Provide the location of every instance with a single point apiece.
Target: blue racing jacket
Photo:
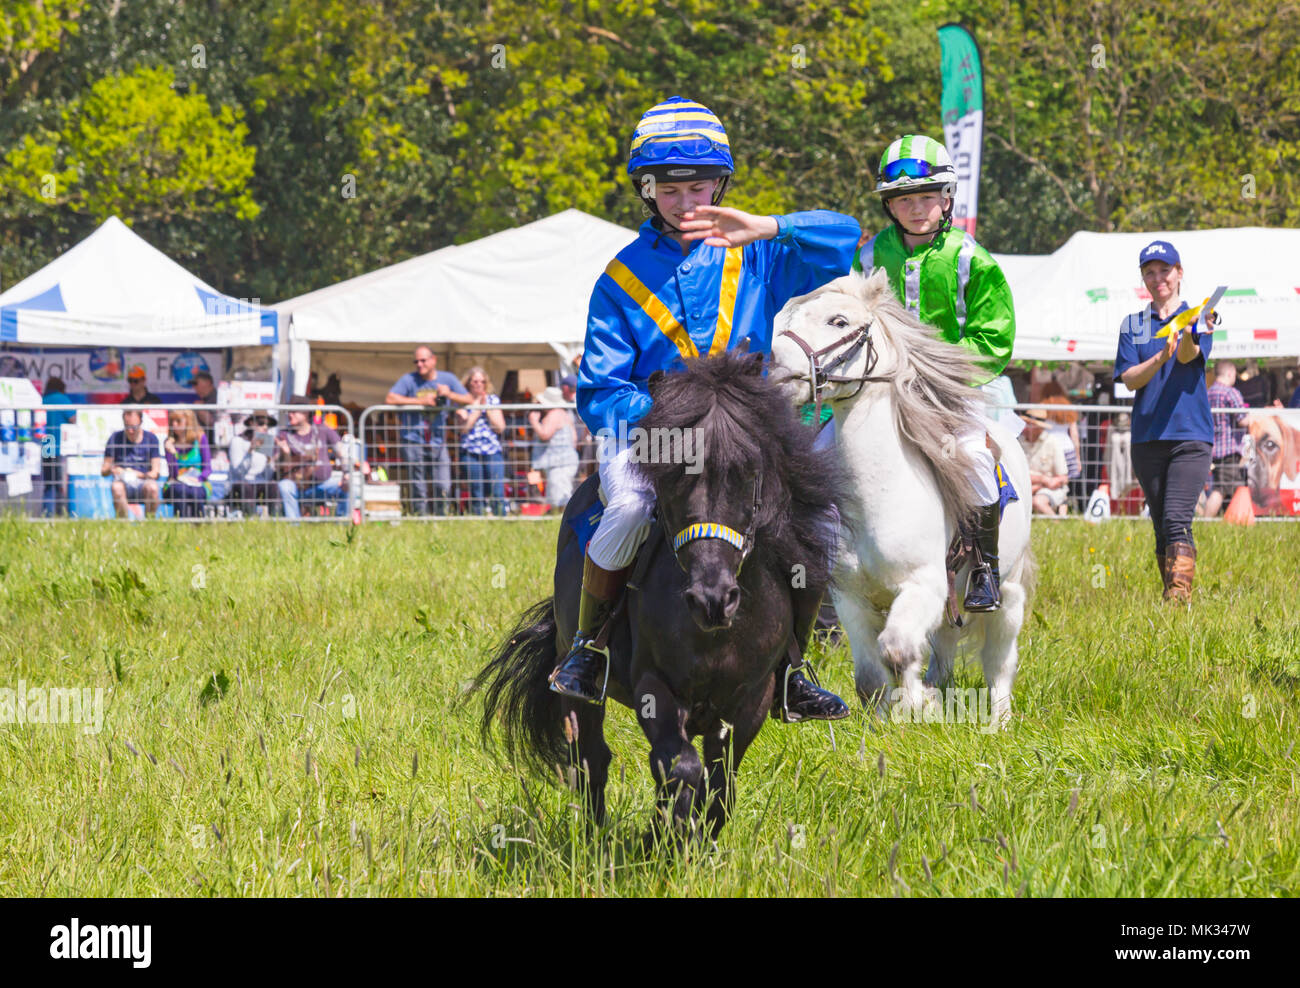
(654, 306)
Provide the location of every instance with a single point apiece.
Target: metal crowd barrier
(1100, 469)
(48, 470)
(409, 463)
(426, 463)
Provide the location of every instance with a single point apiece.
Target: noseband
(715, 530)
(819, 376)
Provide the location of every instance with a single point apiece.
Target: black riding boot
(582, 674)
(795, 698)
(983, 592)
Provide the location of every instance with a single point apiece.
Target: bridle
(819, 376)
(715, 530)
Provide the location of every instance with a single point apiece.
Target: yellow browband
(708, 530)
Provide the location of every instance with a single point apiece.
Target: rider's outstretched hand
(721, 226)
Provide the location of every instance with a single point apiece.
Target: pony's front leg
(1001, 654)
(723, 751)
(904, 642)
(943, 653)
(674, 763)
(862, 624)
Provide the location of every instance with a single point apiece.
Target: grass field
(279, 719)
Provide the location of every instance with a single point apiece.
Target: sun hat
(551, 397)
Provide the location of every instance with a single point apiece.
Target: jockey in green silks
(950, 282)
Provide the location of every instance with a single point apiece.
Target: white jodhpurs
(629, 508)
(983, 477)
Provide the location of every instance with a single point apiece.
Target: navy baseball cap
(1159, 250)
(568, 381)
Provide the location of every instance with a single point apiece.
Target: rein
(819, 376)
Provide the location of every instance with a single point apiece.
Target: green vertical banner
(963, 118)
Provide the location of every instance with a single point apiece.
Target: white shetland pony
(900, 399)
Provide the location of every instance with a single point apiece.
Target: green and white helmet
(915, 163)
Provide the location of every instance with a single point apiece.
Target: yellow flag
(1185, 319)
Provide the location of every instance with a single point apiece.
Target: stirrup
(984, 567)
(589, 645)
(790, 670)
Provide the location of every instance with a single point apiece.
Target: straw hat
(552, 397)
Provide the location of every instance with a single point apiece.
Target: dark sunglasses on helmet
(912, 167)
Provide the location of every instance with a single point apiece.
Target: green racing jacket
(953, 284)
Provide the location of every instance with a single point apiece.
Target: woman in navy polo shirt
(1172, 431)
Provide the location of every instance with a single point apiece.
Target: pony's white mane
(932, 400)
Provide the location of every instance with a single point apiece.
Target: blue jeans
(486, 473)
(291, 495)
(429, 471)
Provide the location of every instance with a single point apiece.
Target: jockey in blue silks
(700, 279)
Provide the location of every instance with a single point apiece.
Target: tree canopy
(276, 146)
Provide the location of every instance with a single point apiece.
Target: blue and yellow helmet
(679, 140)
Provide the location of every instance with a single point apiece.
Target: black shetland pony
(696, 649)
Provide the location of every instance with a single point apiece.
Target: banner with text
(963, 118)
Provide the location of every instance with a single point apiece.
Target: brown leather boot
(1182, 568)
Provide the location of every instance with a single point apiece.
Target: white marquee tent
(1070, 304)
(518, 297)
(115, 289)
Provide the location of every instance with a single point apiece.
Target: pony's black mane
(749, 429)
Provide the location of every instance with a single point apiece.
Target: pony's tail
(515, 688)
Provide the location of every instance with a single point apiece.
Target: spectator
(1173, 436)
(138, 392)
(423, 448)
(1119, 457)
(53, 476)
(555, 451)
(1225, 463)
(484, 464)
(189, 461)
(252, 467)
(1047, 472)
(1256, 386)
(205, 393)
(1064, 425)
(133, 458)
(584, 442)
(303, 462)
